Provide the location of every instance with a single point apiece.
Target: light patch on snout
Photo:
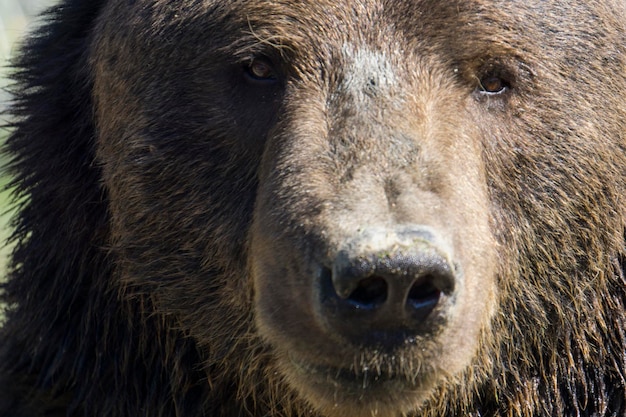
(368, 73)
(400, 238)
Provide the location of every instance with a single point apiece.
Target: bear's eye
(493, 85)
(260, 69)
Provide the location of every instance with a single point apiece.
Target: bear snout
(386, 286)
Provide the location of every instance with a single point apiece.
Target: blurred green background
(16, 18)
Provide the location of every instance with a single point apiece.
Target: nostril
(423, 295)
(370, 293)
(365, 293)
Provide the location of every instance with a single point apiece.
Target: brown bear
(330, 208)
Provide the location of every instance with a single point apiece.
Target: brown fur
(180, 213)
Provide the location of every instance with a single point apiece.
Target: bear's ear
(51, 146)
(62, 216)
(52, 113)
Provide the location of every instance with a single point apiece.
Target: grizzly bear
(329, 208)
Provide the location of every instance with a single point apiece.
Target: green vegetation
(5, 209)
(6, 212)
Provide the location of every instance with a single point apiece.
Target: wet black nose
(387, 295)
(398, 284)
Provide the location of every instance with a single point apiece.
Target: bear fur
(199, 182)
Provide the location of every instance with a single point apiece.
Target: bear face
(359, 155)
(338, 209)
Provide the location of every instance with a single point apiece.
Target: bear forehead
(316, 26)
(312, 35)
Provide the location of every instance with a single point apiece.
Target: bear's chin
(390, 387)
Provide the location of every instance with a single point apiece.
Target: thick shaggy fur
(175, 200)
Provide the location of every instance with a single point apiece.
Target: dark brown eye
(261, 70)
(493, 85)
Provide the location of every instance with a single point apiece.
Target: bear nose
(401, 284)
(388, 295)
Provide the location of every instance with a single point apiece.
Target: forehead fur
(455, 31)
